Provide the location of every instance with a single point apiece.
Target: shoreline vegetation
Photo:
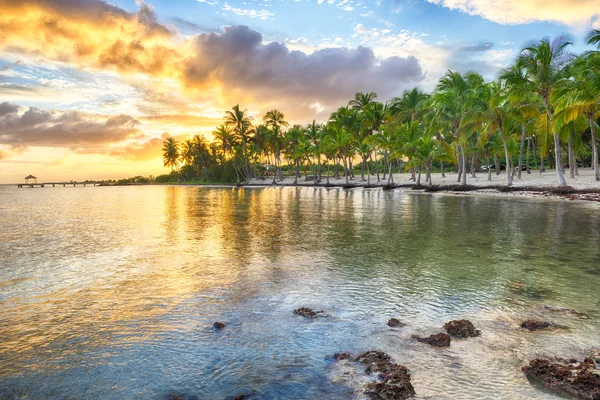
(541, 114)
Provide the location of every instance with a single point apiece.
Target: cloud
(569, 12)
(89, 33)
(72, 129)
(238, 58)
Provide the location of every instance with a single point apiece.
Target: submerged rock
(219, 325)
(578, 379)
(566, 311)
(437, 340)
(393, 380)
(342, 356)
(536, 325)
(395, 323)
(461, 328)
(308, 312)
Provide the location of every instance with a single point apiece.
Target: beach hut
(30, 177)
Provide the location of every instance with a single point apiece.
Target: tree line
(544, 107)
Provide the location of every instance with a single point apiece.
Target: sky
(89, 89)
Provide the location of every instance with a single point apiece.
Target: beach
(582, 187)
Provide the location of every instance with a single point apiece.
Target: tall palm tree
(544, 62)
(451, 102)
(170, 153)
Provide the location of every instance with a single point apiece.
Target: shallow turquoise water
(111, 292)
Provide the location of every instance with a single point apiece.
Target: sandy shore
(534, 184)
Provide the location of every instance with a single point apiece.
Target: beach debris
(219, 325)
(308, 312)
(392, 381)
(568, 376)
(395, 323)
(461, 328)
(536, 325)
(436, 340)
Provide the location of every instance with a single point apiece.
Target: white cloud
(261, 14)
(569, 12)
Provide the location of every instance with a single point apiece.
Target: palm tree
(226, 139)
(275, 118)
(451, 100)
(411, 106)
(170, 153)
(578, 95)
(544, 62)
(314, 133)
(362, 100)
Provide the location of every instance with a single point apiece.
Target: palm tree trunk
(429, 175)
(346, 170)
(594, 150)
(521, 151)
(419, 178)
(473, 166)
(489, 170)
(368, 175)
(497, 164)
(385, 163)
(527, 160)
(328, 171)
(377, 167)
(391, 177)
(442, 169)
(297, 167)
(508, 167)
(464, 160)
(558, 161)
(362, 170)
(459, 165)
(320, 168)
(571, 155)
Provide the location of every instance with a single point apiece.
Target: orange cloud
(89, 33)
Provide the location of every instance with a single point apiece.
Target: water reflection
(115, 299)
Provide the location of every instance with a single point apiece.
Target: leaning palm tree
(170, 153)
(544, 62)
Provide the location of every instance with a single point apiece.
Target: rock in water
(307, 312)
(581, 380)
(393, 380)
(219, 325)
(536, 325)
(395, 323)
(461, 328)
(437, 340)
(342, 356)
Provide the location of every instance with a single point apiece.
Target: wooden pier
(54, 184)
